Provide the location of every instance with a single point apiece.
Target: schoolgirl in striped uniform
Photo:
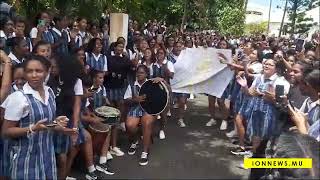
(18, 82)
(162, 68)
(115, 83)
(94, 58)
(148, 58)
(82, 38)
(240, 98)
(20, 25)
(260, 110)
(61, 37)
(19, 50)
(31, 109)
(42, 30)
(67, 86)
(137, 115)
(100, 99)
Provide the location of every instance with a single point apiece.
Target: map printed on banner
(200, 71)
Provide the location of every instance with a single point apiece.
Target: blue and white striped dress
(33, 157)
(63, 47)
(47, 36)
(262, 121)
(98, 64)
(99, 98)
(4, 147)
(135, 110)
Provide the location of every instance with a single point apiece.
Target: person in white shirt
(19, 50)
(30, 116)
(41, 31)
(137, 115)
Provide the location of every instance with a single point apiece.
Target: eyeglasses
(267, 64)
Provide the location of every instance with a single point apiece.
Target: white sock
(103, 159)
(91, 168)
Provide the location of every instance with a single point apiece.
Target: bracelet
(30, 128)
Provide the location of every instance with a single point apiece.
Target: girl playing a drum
(136, 114)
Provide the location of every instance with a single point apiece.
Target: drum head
(106, 111)
(99, 127)
(157, 97)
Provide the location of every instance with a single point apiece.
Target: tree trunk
(284, 14)
(245, 5)
(294, 16)
(184, 17)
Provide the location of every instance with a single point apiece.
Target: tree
(298, 22)
(256, 28)
(231, 21)
(225, 15)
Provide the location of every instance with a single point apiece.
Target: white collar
(272, 78)
(113, 54)
(136, 83)
(164, 62)
(96, 57)
(27, 89)
(57, 31)
(82, 34)
(99, 89)
(3, 35)
(15, 88)
(14, 58)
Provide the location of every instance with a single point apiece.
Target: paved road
(193, 152)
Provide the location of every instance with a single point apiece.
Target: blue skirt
(136, 111)
(115, 94)
(4, 157)
(242, 105)
(262, 121)
(185, 95)
(81, 138)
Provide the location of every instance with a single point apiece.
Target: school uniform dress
(32, 156)
(57, 35)
(15, 61)
(312, 109)
(46, 36)
(99, 62)
(5, 144)
(81, 39)
(62, 142)
(135, 110)
(263, 121)
(239, 98)
(99, 97)
(116, 81)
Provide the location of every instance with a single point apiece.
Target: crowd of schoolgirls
(65, 68)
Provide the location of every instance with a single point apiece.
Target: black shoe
(105, 168)
(92, 175)
(132, 149)
(144, 159)
(239, 151)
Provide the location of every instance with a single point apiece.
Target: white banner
(198, 70)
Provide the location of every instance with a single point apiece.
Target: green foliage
(231, 21)
(256, 28)
(225, 15)
(296, 10)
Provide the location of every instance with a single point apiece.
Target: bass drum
(99, 133)
(157, 97)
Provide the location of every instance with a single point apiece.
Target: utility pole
(269, 17)
(282, 21)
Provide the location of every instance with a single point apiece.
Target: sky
(263, 6)
(276, 9)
